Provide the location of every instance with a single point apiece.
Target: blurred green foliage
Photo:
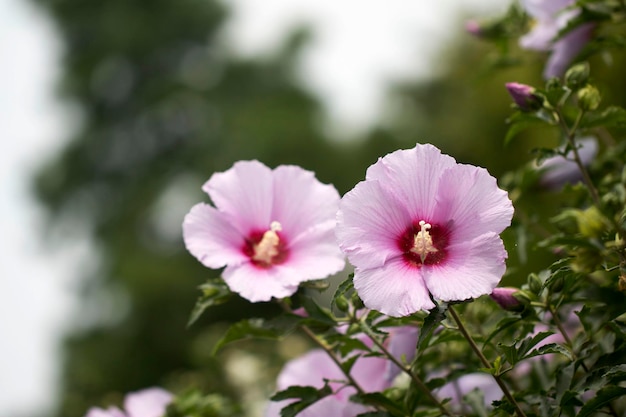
(164, 105)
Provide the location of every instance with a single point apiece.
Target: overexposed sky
(359, 46)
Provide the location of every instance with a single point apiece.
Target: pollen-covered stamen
(267, 248)
(423, 241)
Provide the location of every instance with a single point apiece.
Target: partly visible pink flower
(371, 373)
(150, 402)
(558, 171)
(457, 389)
(271, 229)
(421, 225)
(552, 16)
(473, 28)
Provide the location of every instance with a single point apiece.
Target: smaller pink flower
(271, 229)
(373, 374)
(457, 389)
(422, 225)
(552, 16)
(558, 171)
(150, 402)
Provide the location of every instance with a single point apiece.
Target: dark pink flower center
(424, 244)
(266, 247)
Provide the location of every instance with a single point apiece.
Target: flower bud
(524, 96)
(577, 76)
(342, 303)
(534, 283)
(505, 297)
(588, 98)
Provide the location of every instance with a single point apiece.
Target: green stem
(567, 339)
(484, 361)
(311, 335)
(570, 134)
(414, 377)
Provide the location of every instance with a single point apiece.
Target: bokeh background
(114, 113)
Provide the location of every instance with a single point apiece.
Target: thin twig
(484, 361)
(414, 377)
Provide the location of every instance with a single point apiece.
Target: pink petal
(566, 49)
(211, 238)
(245, 193)
(309, 369)
(261, 284)
(402, 343)
(462, 386)
(470, 197)
(541, 37)
(413, 176)
(395, 289)
(369, 373)
(545, 9)
(369, 223)
(316, 253)
(472, 269)
(300, 200)
(150, 402)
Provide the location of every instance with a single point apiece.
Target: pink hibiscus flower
(371, 373)
(271, 229)
(150, 402)
(420, 225)
(552, 16)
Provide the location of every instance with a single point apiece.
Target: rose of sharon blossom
(150, 402)
(420, 225)
(552, 16)
(460, 387)
(271, 229)
(558, 171)
(371, 373)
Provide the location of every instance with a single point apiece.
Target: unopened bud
(577, 76)
(588, 98)
(524, 96)
(342, 303)
(534, 283)
(505, 297)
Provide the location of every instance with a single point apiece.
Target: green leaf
(521, 121)
(307, 395)
(431, 322)
(550, 348)
(214, 292)
(378, 399)
(317, 316)
(246, 329)
(602, 398)
(343, 288)
(611, 117)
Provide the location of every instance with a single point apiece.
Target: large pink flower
(150, 402)
(420, 225)
(272, 229)
(552, 16)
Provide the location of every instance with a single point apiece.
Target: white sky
(359, 46)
